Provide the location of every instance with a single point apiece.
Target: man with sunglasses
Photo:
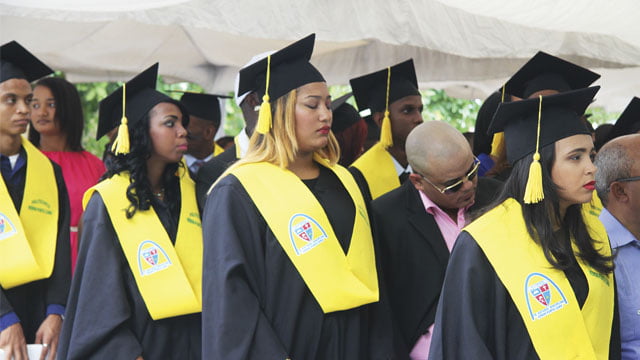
(417, 225)
(618, 186)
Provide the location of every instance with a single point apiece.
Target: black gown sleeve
(95, 325)
(236, 327)
(206, 176)
(57, 286)
(362, 184)
(476, 318)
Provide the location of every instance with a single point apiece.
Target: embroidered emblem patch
(305, 233)
(6, 227)
(151, 258)
(543, 296)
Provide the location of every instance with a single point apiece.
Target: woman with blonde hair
(289, 265)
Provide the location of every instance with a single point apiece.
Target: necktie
(403, 177)
(195, 167)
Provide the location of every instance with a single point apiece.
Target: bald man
(618, 186)
(417, 225)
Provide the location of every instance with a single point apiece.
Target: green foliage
(460, 113)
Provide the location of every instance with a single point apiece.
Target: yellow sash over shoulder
(298, 221)
(28, 240)
(558, 328)
(377, 168)
(169, 278)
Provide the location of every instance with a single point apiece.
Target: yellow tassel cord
(534, 192)
(264, 115)
(121, 142)
(386, 136)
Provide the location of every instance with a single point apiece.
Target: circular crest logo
(7, 229)
(305, 233)
(543, 296)
(151, 258)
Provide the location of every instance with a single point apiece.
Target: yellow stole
(28, 240)
(217, 149)
(377, 168)
(298, 221)
(169, 278)
(558, 328)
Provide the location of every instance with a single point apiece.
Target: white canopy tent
(466, 47)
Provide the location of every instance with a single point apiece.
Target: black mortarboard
(277, 75)
(16, 62)
(289, 69)
(141, 97)
(532, 124)
(548, 72)
(370, 90)
(629, 120)
(344, 115)
(560, 118)
(204, 106)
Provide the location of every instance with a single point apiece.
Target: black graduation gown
(29, 301)
(210, 171)
(106, 316)
(255, 303)
(476, 317)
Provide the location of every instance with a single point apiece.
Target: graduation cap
(548, 72)
(204, 106)
(629, 120)
(240, 96)
(277, 74)
(344, 115)
(534, 123)
(375, 91)
(16, 62)
(129, 104)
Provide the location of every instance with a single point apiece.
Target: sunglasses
(453, 188)
(630, 179)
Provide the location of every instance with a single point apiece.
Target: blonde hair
(279, 146)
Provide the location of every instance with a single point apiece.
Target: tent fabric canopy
(466, 47)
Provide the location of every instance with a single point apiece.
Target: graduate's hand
(48, 334)
(13, 343)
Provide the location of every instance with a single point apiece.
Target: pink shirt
(450, 231)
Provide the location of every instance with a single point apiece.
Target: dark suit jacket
(413, 255)
(211, 171)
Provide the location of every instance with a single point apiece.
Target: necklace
(159, 194)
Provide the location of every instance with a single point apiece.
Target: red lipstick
(324, 130)
(591, 185)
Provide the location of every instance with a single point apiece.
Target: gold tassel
(121, 142)
(497, 144)
(386, 135)
(534, 192)
(264, 115)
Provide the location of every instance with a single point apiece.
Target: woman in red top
(56, 129)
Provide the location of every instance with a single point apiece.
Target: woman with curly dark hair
(137, 289)
(56, 129)
(532, 278)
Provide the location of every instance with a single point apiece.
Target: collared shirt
(242, 143)
(627, 273)
(399, 169)
(194, 164)
(450, 230)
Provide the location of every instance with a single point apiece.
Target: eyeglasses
(458, 184)
(629, 179)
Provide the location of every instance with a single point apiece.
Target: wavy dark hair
(139, 192)
(540, 217)
(68, 112)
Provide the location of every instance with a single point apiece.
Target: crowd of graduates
(318, 233)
